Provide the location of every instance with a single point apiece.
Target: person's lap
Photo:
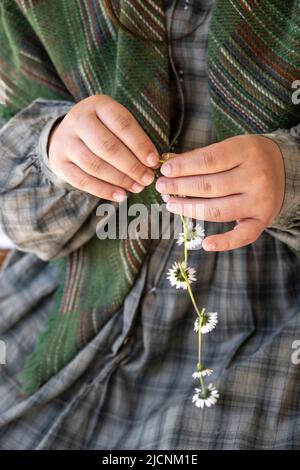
(139, 395)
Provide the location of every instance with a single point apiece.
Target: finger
(107, 146)
(244, 233)
(124, 125)
(216, 185)
(83, 157)
(212, 159)
(222, 209)
(78, 178)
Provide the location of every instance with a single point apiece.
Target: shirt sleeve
(286, 226)
(39, 212)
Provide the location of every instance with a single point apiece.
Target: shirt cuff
(43, 151)
(286, 225)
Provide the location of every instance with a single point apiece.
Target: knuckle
(72, 113)
(214, 213)
(124, 121)
(263, 177)
(101, 98)
(172, 187)
(77, 116)
(111, 145)
(125, 182)
(84, 183)
(208, 160)
(203, 186)
(145, 145)
(137, 170)
(95, 165)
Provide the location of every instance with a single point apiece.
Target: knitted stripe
(92, 58)
(253, 60)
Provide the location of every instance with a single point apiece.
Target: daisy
(194, 236)
(202, 373)
(208, 398)
(175, 276)
(210, 319)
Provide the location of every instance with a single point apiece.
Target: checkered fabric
(131, 387)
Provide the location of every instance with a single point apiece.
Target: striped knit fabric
(71, 50)
(253, 60)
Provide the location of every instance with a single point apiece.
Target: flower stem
(200, 319)
(200, 346)
(183, 220)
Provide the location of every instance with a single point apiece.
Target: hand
(240, 179)
(100, 148)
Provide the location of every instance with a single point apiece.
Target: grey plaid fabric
(131, 387)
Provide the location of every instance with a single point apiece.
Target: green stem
(185, 240)
(200, 345)
(200, 319)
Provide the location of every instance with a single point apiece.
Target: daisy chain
(208, 398)
(210, 319)
(176, 278)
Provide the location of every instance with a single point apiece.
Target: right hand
(100, 148)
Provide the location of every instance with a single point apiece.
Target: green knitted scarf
(69, 49)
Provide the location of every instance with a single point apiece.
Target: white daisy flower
(194, 236)
(175, 276)
(210, 319)
(208, 398)
(202, 373)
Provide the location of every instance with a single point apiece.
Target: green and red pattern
(69, 49)
(254, 57)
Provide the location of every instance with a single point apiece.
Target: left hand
(240, 179)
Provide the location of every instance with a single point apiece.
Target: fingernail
(172, 207)
(161, 185)
(209, 246)
(148, 178)
(166, 169)
(137, 188)
(152, 159)
(119, 197)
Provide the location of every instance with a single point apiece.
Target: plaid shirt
(131, 386)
